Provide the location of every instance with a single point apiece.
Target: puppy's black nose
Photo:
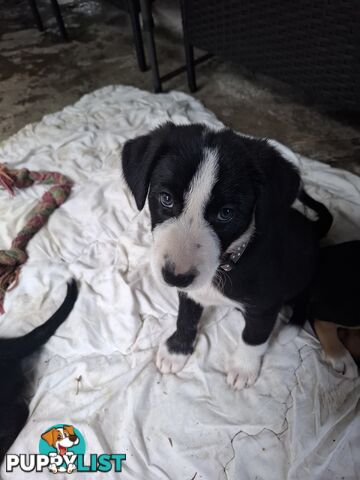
(181, 281)
(73, 438)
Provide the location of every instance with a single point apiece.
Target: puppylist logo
(62, 450)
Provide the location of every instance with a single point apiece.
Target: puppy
(61, 439)
(224, 233)
(332, 305)
(13, 407)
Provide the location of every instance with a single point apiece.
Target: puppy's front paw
(168, 362)
(344, 365)
(242, 374)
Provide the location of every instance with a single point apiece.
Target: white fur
(168, 362)
(189, 241)
(209, 296)
(243, 367)
(202, 185)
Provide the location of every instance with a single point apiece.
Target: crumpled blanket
(299, 421)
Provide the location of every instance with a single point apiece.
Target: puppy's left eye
(225, 214)
(166, 200)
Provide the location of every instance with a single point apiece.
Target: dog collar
(231, 259)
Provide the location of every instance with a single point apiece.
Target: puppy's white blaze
(188, 241)
(201, 186)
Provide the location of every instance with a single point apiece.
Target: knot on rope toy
(6, 180)
(11, 260)
(13, 257)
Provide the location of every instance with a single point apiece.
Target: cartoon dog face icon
(61, 438)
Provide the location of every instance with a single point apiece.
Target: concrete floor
(39, 74)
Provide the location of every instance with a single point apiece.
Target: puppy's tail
(19, 347)
(325, 219)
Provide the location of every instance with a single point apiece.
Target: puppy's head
(61, 438)
(204, 189)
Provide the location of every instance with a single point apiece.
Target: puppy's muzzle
(181, 280)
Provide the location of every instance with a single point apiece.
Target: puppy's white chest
(210, 296)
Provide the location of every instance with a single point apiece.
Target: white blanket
(299, 421)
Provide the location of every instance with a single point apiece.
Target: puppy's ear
(139, 157)
(277, 182)
(50, 437)
(69, 429)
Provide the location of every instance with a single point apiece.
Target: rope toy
(12, 259)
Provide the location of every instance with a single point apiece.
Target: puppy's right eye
(166, 200)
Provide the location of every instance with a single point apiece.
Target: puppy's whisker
(221, 278)
(225, 277)
(228, 278)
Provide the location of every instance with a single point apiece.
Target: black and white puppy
(224, 233)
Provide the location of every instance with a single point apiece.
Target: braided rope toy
(12, 259)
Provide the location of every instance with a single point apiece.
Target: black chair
(157, 79)
(313, 45)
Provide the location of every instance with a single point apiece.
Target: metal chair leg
(136, 30)
(36, 14)
(189, 56)
(148, 25)
(59, 19)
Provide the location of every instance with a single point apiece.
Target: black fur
(334, 294)
(13, 406)
(183, 339)
(138, 159)
(280, 259)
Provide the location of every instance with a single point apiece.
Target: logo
(62, 450)
(63, 441)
